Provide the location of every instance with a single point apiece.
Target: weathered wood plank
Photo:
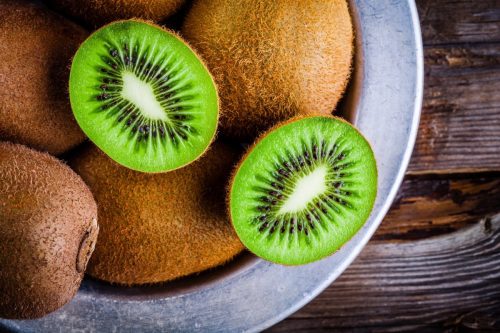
(459, 21)
(434, 206)
(447, 283)
(460, 123)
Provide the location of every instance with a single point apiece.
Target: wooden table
(434, 263)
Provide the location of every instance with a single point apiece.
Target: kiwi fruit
(272, 59)
(143, 96)
(303, 190)
(159, 227)
(37, 46)
(48, 229)
(98, 12)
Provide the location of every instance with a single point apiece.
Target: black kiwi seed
(315, 152)
(282, 172)
(265, 199)
(323, 149)
(273, 228)
(277, 186)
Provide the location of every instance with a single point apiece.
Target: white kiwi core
(306, 189)
(141, 94)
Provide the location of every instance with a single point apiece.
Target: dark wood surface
(434, 263)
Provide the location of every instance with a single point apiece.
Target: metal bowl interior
(383, 100)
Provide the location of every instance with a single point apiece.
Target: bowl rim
(241, 297)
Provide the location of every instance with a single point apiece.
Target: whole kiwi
(159, 227)
(48, 229)
(272, 59)
(98, 12)
(36, 46)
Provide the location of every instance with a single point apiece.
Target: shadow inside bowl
(196, 282)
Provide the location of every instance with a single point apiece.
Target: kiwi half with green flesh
(99, 12)
(36, 46)
(48, 230)
(160, 227)
(143, 96)
(303, 190)
(272, 60)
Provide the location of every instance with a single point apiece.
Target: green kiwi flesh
(48, 230)
(303, 190)
(143, 96)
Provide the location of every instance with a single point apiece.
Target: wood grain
(459, 21)
(431, 206)
(449, 283)
(460, 124)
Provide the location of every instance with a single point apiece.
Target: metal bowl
(383, 101)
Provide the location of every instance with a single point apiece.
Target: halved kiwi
(303, 190)
(143, 96)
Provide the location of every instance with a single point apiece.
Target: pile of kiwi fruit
(139, 154)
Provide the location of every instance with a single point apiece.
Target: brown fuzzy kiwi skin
(96, 13)
(159, 227)
(37, 46)
(272, 60)
(48, 230)
(257, 141)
